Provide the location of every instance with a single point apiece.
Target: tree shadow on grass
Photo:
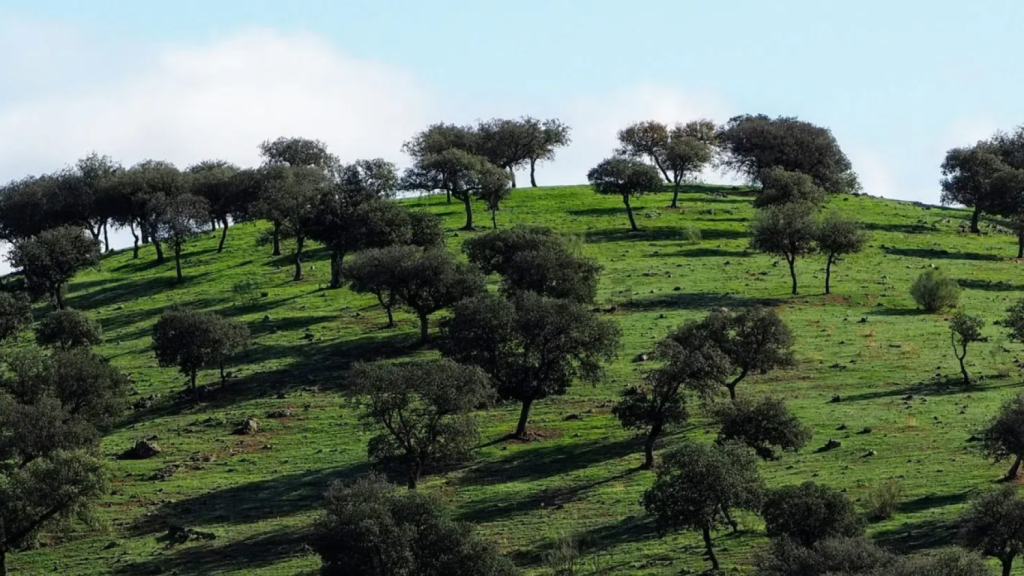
(939, 254)
(119, 293)
(612, 211)
(898, 228)
(595, 540)
(916, 536)
(933, 501)
(249, 554)
(989, 285)
(705, 253)
(697, 301)
(899, 312)
(535, 463)
(949, 386)
(661, 234)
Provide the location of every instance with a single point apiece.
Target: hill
(890, 364)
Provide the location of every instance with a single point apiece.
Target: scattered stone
(569, 417)
(841, 427)
(640, 358)
(836, 399)
(281, 396)
(832, 444)
(866, 430)
(869, 454)
(142, 450)
(908, 397)
(281, 413)
(974, 438)
(248, 427)
(183, 534)
(266, 318)
(164, 473)
(111, 545)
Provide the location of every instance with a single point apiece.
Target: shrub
(247, 291)
(934, 291)
(67, 329)
(809, 513)
(690, 234)
(883, 500)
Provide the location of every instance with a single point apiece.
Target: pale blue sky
(898, 81)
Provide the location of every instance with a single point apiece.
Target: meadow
(889, 365)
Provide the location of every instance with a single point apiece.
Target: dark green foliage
(780, 186)
(764, 425)
(441, 137)
(993, 524)
(144, 191)
(1004, 436)
(624, 177)
(288, 200)
(536, 260)
(756, 341)
(698, 485)
(23, 207)
(226, 193)
(192, 340)
(422, 411)
(183, 217)
(831, 556)
(1007, 191)
(429, 280)
(944, 562)
(66, 329)
(883, 500)
(378, 271)
(836, 236)
(463, 175)
(786, 230)
(297, 153)
(52, 257)
(368, 178)
(532, 347)
(647, 140)
(1014, 320)
(934, 291)
(690, 148)
(964, 329)
(808, 513)
(508, 143)
(15, 314)
(369, 528)
(553, 134)
(967, 176)
(752, 145)
(425, 229)
(691, 363)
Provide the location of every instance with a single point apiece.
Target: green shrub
(691, 233)
(883, 500)
(248, 291)
(934, 291)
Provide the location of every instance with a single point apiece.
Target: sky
(898, 82)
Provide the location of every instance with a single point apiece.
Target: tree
(786, 230)
(751, 145)
(689, 150)
(422, 410)
(439, 138)
(67, 329)
(1014, 321)
(809, 513)
(431, 280)
(624, 177)
(532, 347)
(289, 200)
(1007, 200)
(378, 271)
(648, 140)
(550, 135)
(754, 340)
(660, 402)
(368, 528)
(297, 153)
(1004, 436)
(697, 486)
(837, 236)
(52, 257)
(507, 143)
(829, 556)
(780, 186)
(145, 189)
(184, 217)
(23, 207)
(192, 340)
(462, 175)
(535, 259)
(967, 176)
(80, 191)
(764, 425)
(219, 184)
(45, 493)
(993, 524)
(15, 314)
(964, 329)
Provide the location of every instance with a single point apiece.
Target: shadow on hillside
(899, 312)
(674, 234)
(595, 540)
(929, 502)
(705, 253)
(502, 506)
(276, 497)
(697, 301)
(949, 386)
(989, 285)
(121, 292)
(613, 211)
(538, 462)
(898, 228)
(247, 554)
(915, 536)
(939, 254)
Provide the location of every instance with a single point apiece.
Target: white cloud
(876, 176)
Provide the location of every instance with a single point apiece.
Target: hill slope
(257, 494)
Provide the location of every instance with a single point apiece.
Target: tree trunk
(494, 219)
(533, 171)
(195, 389)
(652, 435)
(277, 239)
(177, 260)
(223, 378)
(424, 329)
(1007, 565)
(159, 251)
(448, 193)
(387, 308)
(792, 271)
(415, 470)
(106, 236)
(512, 175)
(299, 243)
(675, 196)
(660, 167)
(337, 258)
(711, 551)
(629, 212)
(3, 562)
(135, 245)
(469, 212)
(828, 275)
(58, 297)
(732, 521)
(1014, 470)
(223, 235)
(1020, 244)
(732, 390)
(974, 220)
(524, 417)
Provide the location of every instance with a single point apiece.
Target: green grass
(258, 494)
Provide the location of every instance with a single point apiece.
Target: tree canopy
(785, 230)
(52, 257)
(624, 177)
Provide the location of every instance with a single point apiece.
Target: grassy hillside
(891, 365)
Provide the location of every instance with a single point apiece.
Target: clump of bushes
(934, 291)
(883, 500)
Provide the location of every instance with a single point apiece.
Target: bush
(883, 500)
(809, 513)
(248, 291)
(690, 234)
(934, 292)
(67, 329)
